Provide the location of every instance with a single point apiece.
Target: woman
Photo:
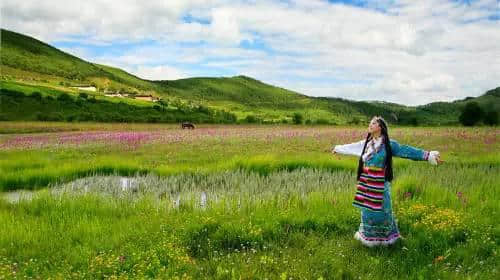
(373, 194)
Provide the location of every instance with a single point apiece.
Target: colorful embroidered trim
(426, 155)
(390, 237)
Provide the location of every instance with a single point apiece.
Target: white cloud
(225, 27)
(413, 53)
(163, 72)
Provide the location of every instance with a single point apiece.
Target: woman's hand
(435, 158)
(439, 160)
(334, 153)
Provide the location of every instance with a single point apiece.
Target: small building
(146, 98)
(115, 95)
(85, 87)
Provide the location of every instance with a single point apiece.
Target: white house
(89, 88)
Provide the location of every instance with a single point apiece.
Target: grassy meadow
(141, 201)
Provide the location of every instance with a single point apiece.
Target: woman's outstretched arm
(409, 152)
(353, 149)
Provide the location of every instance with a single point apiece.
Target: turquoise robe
(373, 192)
(379, 227)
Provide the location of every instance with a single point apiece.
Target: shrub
(55, 117)
(297, 118)
(12, 93)
(414, 121)
(471, 114)
(322, 121)
(71, 118)
(251, 119)
(64, 97)
(36, 95)
(491, 118)
(86, 117)
(3, 117)
(163, 102)
(157, 107)
(203, 109)
(40, 116)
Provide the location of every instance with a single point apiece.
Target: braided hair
(388, 151)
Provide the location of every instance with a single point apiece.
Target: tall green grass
(245, 207)
(281, 225)
(33, 174)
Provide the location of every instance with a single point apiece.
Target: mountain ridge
(243, 95)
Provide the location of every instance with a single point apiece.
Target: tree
(414, 121)
(297, 118)
(163, 102)
(471, 114)
(64, 97)
(322, 121)
(491, 118)
(251, 119)
(36, 95)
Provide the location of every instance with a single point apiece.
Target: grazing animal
(187, 125)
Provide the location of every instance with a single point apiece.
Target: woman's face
(374, 127)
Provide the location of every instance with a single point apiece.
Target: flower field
(90, 201)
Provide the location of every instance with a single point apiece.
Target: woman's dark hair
(388, 150)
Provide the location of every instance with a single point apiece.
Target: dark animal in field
(187, 125)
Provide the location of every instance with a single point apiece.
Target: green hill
(26, 53)
(27, 61)
(24, 58)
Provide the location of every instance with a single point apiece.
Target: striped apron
(370, 189)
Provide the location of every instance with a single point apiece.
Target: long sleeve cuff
(431, 157)
(426, 155)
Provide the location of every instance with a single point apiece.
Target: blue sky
(408, 52)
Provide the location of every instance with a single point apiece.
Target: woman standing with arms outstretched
(373, 190)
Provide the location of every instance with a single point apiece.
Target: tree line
(473, 114)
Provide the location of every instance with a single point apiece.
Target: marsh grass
(285, 224)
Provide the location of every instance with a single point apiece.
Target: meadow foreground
(237, 202)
